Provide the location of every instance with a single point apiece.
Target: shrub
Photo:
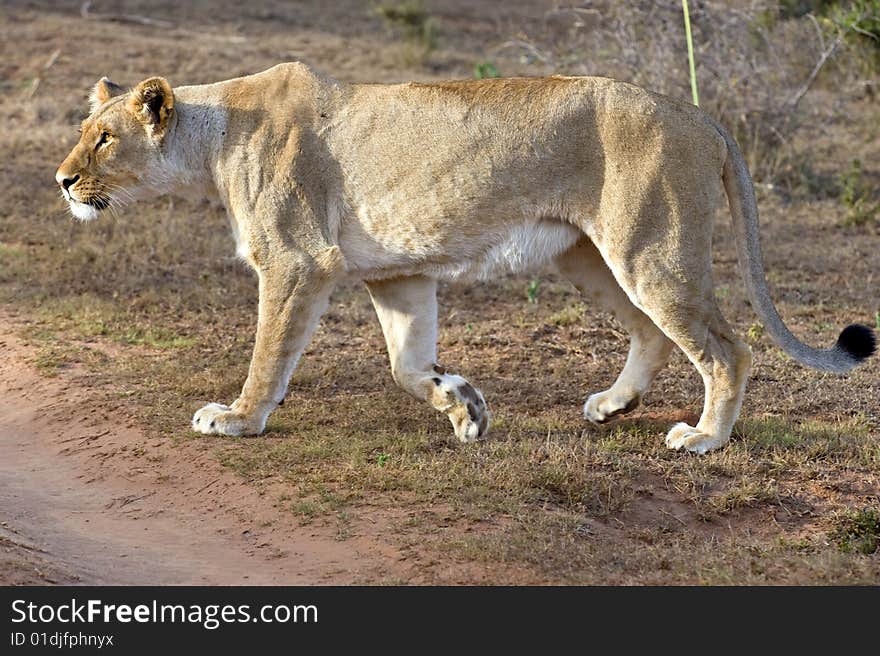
(858, 531)
(409, 21)
(754, 65)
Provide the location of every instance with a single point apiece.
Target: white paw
(683, 436)
(605, 406)
(219, 419)
(463, 404)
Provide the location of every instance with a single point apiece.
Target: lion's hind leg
(407, 311)
(723, 361)
(649, 348)
(684, 308)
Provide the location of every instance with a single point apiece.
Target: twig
(128, 499)
(205, 487)
(85, 12)
(676, 518)
(818, 29)
(826, 54)
(541, 56)
(87, 438)
(49, 63)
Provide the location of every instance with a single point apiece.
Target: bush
(410, 22)
(858, 531)
(753, 65)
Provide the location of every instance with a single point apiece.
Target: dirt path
(75, 506)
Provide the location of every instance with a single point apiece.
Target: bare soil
(113, 333)
(86, 512)
(82, 505)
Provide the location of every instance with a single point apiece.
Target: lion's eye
(105, 137)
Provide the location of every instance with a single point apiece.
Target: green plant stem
(690, 46)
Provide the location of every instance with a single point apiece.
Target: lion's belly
(515, 248)
(526, 247)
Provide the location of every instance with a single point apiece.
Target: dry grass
(155, 307)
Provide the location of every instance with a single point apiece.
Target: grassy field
(154, 305)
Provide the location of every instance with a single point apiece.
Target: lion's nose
(66, 183)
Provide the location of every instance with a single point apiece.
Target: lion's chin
(83, 211)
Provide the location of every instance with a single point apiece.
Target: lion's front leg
(294, 292)
(407, 310)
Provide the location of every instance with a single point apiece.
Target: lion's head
(119, 152)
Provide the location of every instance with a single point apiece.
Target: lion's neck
(193, 145)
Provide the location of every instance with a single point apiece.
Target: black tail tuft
(858, 341)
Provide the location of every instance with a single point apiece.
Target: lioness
(403, 185)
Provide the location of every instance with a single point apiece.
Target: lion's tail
(855, 344)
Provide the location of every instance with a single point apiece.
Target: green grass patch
(858, 531)
(794, 442)
(569, 315)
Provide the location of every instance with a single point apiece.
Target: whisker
(119, 201)
(116, 189)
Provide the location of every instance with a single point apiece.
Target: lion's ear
(152, 102)
(103, 91)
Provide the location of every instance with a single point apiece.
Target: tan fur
(402, 185)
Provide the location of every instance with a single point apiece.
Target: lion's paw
(219, 419)
(683, 436)
(602, 407)
(463, 404)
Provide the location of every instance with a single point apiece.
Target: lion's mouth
(88, 209)
(84, 211)
(98, 200)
